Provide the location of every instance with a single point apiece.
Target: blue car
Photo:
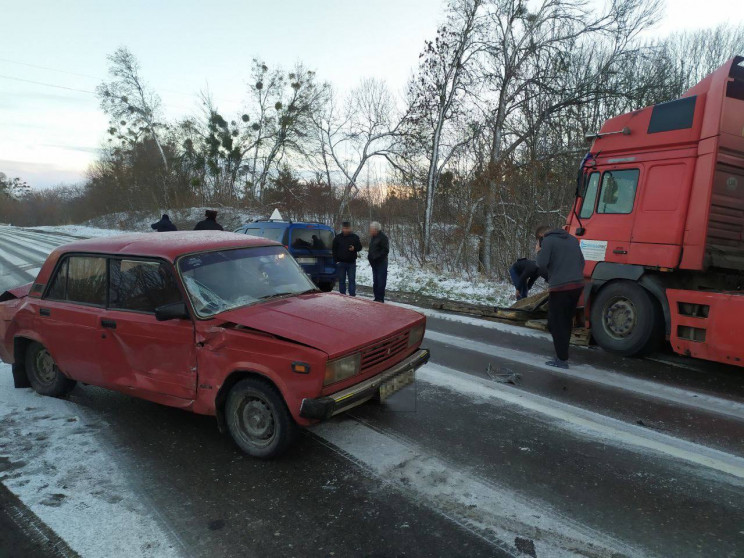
(309, 243)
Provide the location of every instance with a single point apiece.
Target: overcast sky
(50, 134)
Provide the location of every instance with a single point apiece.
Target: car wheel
(326, 286)
(43, 374)
(625, 319)
(258, 419)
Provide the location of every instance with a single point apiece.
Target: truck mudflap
(381, 385)
(707, 324)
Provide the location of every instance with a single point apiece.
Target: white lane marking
(495, 513)
(480, 322)
(605, 428)
(588, 373)
(70, 478)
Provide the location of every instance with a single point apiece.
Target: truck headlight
(342, 368)
(416, 335)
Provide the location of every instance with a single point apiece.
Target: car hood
(331, 322)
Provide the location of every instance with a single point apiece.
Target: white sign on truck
(594, 250)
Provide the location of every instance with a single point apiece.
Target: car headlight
(416, 335)
(342, 368)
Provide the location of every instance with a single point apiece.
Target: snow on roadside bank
(79, 230)
(54, 459)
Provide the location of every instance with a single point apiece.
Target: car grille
(384, 351)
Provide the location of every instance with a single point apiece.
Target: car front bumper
(325, 407)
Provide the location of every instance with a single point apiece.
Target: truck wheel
(258, 419)
(326, 286)
(43, 374)
(625, 319)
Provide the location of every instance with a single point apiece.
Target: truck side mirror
(172, 311)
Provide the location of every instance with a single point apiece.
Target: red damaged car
(216, 323)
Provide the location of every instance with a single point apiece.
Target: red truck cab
(660, 217)
(215, 323)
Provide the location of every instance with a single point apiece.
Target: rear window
(312, 239)
(276, 234)
(80, 279)
(674, 115)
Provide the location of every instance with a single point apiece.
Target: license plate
(396, 384)
(307, 260)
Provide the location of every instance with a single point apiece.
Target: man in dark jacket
(346, 247)
(164, 225)
(523, 274)
(377, 254)
(210, 223)
(559, 255)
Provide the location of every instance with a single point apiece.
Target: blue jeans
(379, 280)
(344, 269)
(523, 290)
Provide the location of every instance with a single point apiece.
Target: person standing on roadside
(379, 248)
(164, 225)
(209, 223)
(346, 248)
(559, 255)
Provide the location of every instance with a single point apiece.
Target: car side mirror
(172, 311)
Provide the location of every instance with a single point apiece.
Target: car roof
(168, 245)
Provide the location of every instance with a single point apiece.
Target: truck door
(607, 214)
(144, 356)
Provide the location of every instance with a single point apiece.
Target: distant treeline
(485, 144)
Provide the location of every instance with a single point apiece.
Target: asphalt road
(490, 454)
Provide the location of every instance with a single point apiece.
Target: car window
(313, 239)
(80, 279)
(274, 233)
(618, 191)
(590, 196)
(255, 231)
(141, 285)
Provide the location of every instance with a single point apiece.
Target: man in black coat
(346, 247)
(379, 248)
(210, 223)
(164, 225)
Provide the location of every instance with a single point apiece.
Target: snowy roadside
(55, 460)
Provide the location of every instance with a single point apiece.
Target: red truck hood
(333, 323)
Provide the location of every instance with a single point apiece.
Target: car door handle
(45, 312)
(619, 251)
(111, 324)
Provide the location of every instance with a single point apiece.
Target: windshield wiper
(275, 295)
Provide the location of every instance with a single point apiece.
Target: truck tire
(43, 374)
(258, 419)
(625, 319)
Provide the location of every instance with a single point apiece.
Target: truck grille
(384, 351)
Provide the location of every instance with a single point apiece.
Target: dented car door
(155, 359)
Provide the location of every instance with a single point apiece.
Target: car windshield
(226, 279)
(312, 238)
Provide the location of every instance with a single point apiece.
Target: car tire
(326, 286)
(258, 419)
(43, 374)
(625, 319)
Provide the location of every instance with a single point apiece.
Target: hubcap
(620, 317)
(46, 370)
(257, 421)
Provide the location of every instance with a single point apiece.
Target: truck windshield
(227, 279)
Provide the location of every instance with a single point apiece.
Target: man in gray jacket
(559, 255)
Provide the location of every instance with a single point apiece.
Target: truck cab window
(618, 191)
(590, 196)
